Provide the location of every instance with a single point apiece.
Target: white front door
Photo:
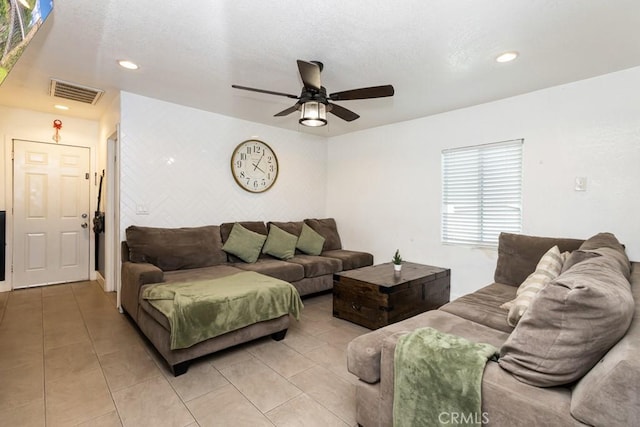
(51, 213)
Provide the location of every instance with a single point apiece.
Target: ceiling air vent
(74, 92)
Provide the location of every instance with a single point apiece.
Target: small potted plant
(397, 261)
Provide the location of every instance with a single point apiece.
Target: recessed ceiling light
(507, 57)
(61, 107)
(128, 64)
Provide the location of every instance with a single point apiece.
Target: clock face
(254, 166)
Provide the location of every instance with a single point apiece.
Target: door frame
(7, 285)
(9, 191)
(112, 215)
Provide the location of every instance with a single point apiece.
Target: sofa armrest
(134, 276)
(363, 354)
(387, 377)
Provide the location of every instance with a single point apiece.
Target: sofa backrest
(176, 248)
(519, 254)
(328, 229)
(291, 227)
(124, 251)
(609, 394)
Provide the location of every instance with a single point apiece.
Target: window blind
(482, 192)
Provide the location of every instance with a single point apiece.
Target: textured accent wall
(175, 164)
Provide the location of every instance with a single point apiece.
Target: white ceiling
(439, 55)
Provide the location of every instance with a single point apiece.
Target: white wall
(175, 161)
(384, 184)
(34, 126)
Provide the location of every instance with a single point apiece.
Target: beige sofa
(161, 255)
(603, 390)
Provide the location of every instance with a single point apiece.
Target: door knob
(84, 225)
(84, 215)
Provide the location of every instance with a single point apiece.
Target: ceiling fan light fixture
(314, 114)
(314, 103)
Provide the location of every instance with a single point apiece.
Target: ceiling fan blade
(342, 112)
(270, 92)
(288, 111)
(310, 73)
(363, 93)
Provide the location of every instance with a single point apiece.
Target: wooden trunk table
(376, 296)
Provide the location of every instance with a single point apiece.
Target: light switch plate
(142, 210)
(580, 183)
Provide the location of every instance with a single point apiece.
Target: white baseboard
(101, 280)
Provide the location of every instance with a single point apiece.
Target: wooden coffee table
(376, 296)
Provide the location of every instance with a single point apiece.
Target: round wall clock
(254, 166)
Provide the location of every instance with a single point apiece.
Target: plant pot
(397, 267)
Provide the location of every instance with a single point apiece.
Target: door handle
(84, 225)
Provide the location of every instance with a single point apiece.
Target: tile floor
(67, 357)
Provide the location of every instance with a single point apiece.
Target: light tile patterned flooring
(67, 357)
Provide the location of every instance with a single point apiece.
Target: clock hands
(255, 165)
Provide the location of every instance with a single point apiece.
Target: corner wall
(384, 184)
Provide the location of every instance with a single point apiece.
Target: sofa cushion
(183, 276)
(483, 306)
(315, 266)
(602, 240)
(350, 259)
(283, 270)
(509, 402)
(205, 273)
(570, 325)
(244, 243)
(310, 242)
(576, 257)
(608, 244)
(608, 393)
(547, 269)
(279, 243)
(176, 248)
(519, 254)
(328, 229)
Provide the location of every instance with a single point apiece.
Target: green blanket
(438, 379)
(205, 309)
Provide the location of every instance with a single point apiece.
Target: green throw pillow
(310, 242)
(243, 243)
(280, 244)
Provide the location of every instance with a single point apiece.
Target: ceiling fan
(313, 101)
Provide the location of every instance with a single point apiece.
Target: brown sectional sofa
(607, 395)
(161, 255)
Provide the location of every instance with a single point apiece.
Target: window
(481, 193)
